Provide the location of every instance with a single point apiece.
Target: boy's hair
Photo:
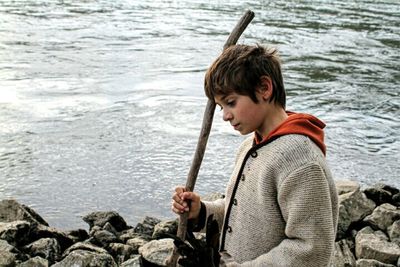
(239, 70)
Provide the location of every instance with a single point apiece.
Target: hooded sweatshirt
(299, 123)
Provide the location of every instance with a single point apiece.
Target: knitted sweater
(281, 205)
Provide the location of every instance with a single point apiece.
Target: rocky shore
(368, 235)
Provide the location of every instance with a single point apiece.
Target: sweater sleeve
(305, 200)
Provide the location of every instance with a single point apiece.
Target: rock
(134, 262)
(396, 199)
(353, 207)
(7, 259)
(165, 227)
(100, 218)
(35, 262)
(383, 216)
(84, 246)
(77, 235)
(346, 186)
(5, 246)
(130, 233)
(121, 252)
(11, 210)
(157, 251)
(104, 238)
(136, 243)
(15, 233)
(372, 244)
(85, 258)
(343, 257)
(394, 232)
(372, 263)
(43, 231)
(378, 195)
(146, 227)
(47, 248)
(110, 228)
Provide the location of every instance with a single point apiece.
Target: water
(101, 102)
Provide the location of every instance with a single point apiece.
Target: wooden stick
(205, 132)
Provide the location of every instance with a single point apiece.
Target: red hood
(299, 123)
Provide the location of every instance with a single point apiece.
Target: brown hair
(239, 70)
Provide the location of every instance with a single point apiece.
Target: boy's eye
(230, 103)
(220, 107)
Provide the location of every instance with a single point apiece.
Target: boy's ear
(266, 87)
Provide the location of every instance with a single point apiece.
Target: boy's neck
(276, 116)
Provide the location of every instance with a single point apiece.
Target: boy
(281, 204)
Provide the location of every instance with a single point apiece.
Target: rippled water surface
(101, 102)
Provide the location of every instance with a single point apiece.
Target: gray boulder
(346, 186)
(383, 216)
(77, 235)
(372, 263)
(375, 245)
(146, 227)
(100, 218)
(15, 233)
(136, 243)
(35, 262)
(85, 258)
(47, 248)
(378, 195)
(133, 262)
(84, 246)
(7, 259)
(165, 227)
(121, 252)
(353, 207)
(43, 231)
(394, 232)
(104, 238)
(11, 210)
(343, 257)
(157, 251)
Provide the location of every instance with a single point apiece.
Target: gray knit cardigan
(281, 205)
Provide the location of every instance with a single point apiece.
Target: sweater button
(229, 229)
(254, 154)
(235, 202)
(243, 177)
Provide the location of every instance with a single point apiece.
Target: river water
(101, 101)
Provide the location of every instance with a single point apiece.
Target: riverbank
(368, 235)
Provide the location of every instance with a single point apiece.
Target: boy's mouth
(235, 126)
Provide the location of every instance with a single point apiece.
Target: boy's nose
(227, 116)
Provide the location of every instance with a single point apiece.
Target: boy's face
(243, 114)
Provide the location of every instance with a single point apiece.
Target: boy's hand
(180, 202)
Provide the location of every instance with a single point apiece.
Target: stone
(35, 262)
(130, 233)
(375, 245)
(7, 259)
(43, 231)
(372, 263)
(11, 210)
(110, 228)
(383, 216)
(157, 251)
(396, 199)
(342, 256)
(133, 262)
(136, 243)
(104, 238)
(346, 186)
(77, 235)
(15, 233)
(84, 246)
(378, 195)
(100, 218)
(85, 258)
(146, 227)
(165, 227)
(47, 248)
(394, 232)
(121, 252)
(353, 207)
